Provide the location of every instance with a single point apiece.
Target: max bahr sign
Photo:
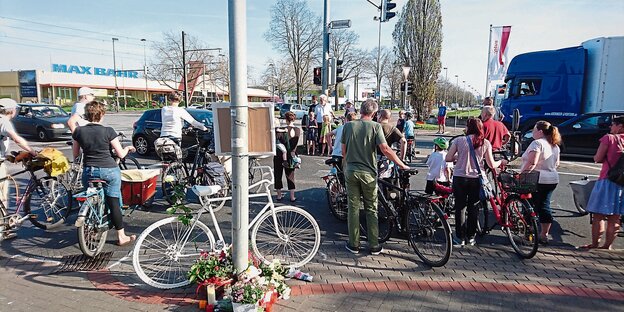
(27, 83)
(96, 71)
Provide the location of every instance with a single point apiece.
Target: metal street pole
(406, 70)
(184, 71)
(325, 71)
(464, 93)
(272, 66)
(457, 90)
(445, 83)
(378, 60)
(237, 22)
(145, 72)
(115, 75)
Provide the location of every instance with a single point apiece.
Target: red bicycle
(512, 209)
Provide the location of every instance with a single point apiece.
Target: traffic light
(410, 87)
(339, 70)
(386, 8)
(317, 76)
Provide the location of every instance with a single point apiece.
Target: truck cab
(544, 85)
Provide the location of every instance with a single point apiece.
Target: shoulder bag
(486, 188)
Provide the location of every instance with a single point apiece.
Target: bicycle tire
(295, 249)
(337, 199)
(178, 173)
(385, 222)
(429, 233)
(491, 176)
(144, 254)
(129, 162)
(255, 175)
(91, 238)
(3, 225)
(55, 204)
(483, 220)
(522, 232)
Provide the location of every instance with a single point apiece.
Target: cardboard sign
(260, 129)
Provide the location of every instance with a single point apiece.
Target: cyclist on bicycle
(409, 127)
(7, 112)
(439, 168)
(392, 133)
(172, 117)
(96, 141)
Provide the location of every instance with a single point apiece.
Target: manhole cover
(75, 263)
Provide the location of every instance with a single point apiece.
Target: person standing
(466, 184)
(290, 139)
(360, 139)
(441, 118)
(542, 156)
(349, 108)
(392, 133)
(607, 198)
(401, 121)
(96, 142)
(312, 108)
(77, 119)
(172, 117)
(337, 147)
(321, 110)
(494, 130)
(7, 131)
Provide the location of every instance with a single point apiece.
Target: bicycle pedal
(32, 216)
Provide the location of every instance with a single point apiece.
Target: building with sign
(60, 86)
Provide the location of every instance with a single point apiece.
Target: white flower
(169, 178)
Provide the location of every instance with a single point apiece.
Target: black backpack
(616, 172)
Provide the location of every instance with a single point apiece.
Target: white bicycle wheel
(158, 257)
(301, 236)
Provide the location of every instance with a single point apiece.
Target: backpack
(616, 172)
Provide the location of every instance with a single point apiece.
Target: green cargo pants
(362, 186)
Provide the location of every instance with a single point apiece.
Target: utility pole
(457, 90)
(186, 99)
(464, 93)
(406, 70)
(115, 75)
(378, 60)
(446, 84)
(237, 22)
(145, 73)
(325, 71)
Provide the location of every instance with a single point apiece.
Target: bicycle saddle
(332, 161)
(206, 190)
(411, 171)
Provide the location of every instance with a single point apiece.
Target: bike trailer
(580, 192)
(138, 186)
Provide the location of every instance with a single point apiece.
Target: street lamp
(272, 67)
(445, 82)
(145, 72)
(457, 90)
(464, 93)
(406, 70)
(115, 75)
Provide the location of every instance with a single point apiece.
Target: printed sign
(27, 83)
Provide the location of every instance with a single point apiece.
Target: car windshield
(48, 111)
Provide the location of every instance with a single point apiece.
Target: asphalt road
(570, 228)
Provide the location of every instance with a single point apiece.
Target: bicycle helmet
(441, 142)
(408, 115)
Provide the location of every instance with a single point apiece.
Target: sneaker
(376, 250)
(457, 242)
(472, 241)
(353, 250)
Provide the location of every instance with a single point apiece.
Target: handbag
(486, 188)
(294, 162)
(616, 172)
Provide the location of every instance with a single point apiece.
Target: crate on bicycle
(138, 186)
(521, 183)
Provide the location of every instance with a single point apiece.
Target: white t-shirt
(337, 150)
(437, 166)
(321, 110)
(172, 117)
(79, 108)
(6, 126)
(547, 162)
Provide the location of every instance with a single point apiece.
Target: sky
(31, 39)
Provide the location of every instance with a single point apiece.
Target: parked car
(580, 135)
(298, 109)
(42, 121)
(147, 129)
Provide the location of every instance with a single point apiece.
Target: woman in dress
(607, 198)
(311, 135)
(289, 138)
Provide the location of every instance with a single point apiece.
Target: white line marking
(581, 165)
(40, 259)
(579, 174)
(118, 262)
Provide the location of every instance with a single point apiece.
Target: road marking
(40, 259)
(578, 174)
(581, 165)
(118, 262)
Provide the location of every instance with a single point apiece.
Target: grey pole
(186, 99)
(145, 73)
(378, 60)
(115, 76)
(445, 83)
(457, 90)
(237, 21)
(325, 71)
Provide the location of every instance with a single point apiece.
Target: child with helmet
(439, 168)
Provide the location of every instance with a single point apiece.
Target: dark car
(42, 121)
(147, 129)
(580, 134)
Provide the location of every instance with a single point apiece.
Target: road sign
(340, 24)
(377, 94)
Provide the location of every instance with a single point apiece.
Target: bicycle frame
(499, 199)
(83, 196)
(30, 187)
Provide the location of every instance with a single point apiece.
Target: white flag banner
(497, 64)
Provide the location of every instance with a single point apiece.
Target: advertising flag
(497, 63)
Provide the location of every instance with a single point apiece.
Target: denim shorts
(112, 176)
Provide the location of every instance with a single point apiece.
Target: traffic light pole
(325, 71)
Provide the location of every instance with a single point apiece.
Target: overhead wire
(69, 45)
(67, 50)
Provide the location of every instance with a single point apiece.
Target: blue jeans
(112, 176)
(541, 202)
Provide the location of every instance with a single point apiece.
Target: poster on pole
(260, 129)
(499, 42)
(27, 83)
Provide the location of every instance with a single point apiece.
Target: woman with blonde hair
(543, 156)
(325, 129)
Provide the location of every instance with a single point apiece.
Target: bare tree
(377, 61)
(279, 76)
(295, 31)
(418, 43)
(393, 74)
(342, 46)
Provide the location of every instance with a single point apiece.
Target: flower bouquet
(214, 271)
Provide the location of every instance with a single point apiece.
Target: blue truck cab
(557, 85)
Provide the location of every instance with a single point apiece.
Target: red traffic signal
(317, 76)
